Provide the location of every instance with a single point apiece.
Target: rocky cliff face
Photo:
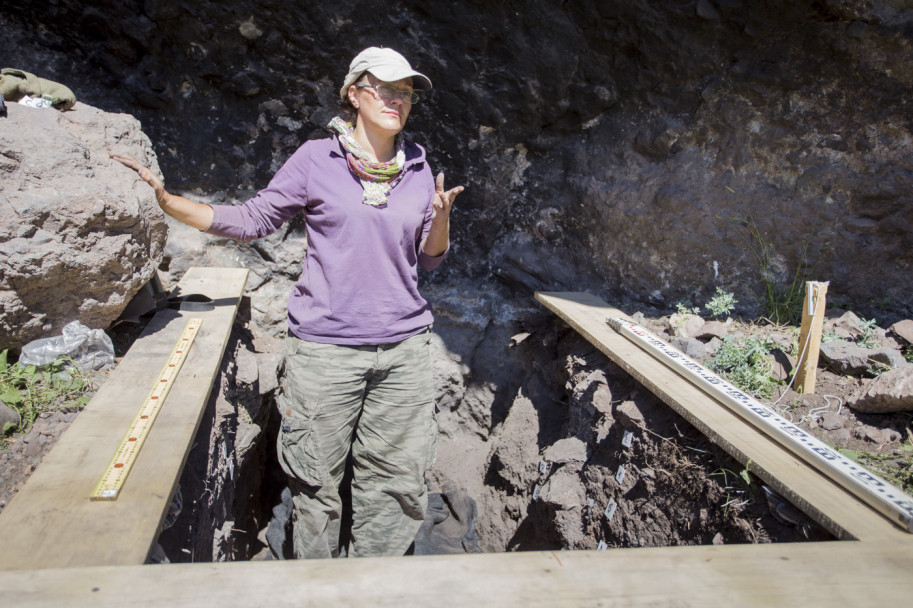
(643, 151)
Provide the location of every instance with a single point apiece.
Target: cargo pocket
(298, 445)
(431, 440)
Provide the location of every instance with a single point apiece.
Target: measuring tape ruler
(878, 493)
(116, 473)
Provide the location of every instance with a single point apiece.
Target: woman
(357, 374)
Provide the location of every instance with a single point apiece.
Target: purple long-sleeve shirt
(359, 280)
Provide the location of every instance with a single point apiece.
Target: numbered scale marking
(116, 473)
(878, 493)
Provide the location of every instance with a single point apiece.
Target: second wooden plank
(825, 501)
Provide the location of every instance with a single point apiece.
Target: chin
(395, 127)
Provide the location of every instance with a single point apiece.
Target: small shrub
(830, 336)
(741, 488)
(31, 390)
(722, 303)
(685, 308)
(867, 339)
(744, 362)
(781, 302)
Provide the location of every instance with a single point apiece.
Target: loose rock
(564, 490)
(8, 416)
(713, 329)
(566, 450)
(783, 364)
(851, 359)
(903, 329)
(692, 347)
(848, 326)
(889, 392)
(832, 421)
(630, 415)
(685, 326)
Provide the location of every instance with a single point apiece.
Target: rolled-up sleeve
(430, 263)
(424, 260)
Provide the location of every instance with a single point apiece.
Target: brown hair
(345, 106)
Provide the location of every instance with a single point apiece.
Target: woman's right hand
(184, 210)
(161, 195)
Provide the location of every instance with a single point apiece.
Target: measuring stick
(116, 473)
(878, 493)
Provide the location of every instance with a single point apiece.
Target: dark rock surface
(640, 150)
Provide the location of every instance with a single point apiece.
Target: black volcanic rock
(640, 150)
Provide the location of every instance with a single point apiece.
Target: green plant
(867, 338)
(745, 363)
(782, 303)
(908, 354)
(830, 336)
(686, 308)
(740, 487)
(31, 390)
(722, 303)
(880, 303)
(876, 368)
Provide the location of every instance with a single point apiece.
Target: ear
(353, 95)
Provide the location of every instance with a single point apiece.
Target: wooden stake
(810, 336)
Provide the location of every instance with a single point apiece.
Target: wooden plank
(52, 522)
(822, 499)
(797, 575)
(810, 334)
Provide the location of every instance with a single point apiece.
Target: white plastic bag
(36, 102)
(88, 348)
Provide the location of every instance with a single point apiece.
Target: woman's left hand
(443, 201)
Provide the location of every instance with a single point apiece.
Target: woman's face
(376, 111)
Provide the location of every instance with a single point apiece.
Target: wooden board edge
(832, 574)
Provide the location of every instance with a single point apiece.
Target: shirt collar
(415, 154)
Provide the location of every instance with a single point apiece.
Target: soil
(680, 488)
(22, 451)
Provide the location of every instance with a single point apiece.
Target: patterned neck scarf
(377, 179)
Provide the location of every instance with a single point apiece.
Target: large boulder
(79, 233)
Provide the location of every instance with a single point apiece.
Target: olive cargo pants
(378, 402)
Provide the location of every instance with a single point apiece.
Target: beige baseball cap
(386, 64)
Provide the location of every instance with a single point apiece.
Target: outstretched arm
(182, 209)
(438, 239)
